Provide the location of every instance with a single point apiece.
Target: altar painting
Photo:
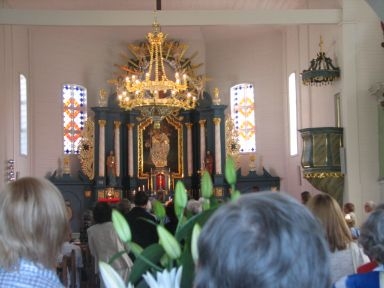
(160, 148)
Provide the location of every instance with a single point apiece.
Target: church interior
(144, 129)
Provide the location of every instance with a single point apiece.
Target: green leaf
(169, 242)
(206, 185)
(116, 256)
(195, 236)
(135, 248)
(110, 277)
(206, 204)
(235, 195)
(121, 226)
(188, 274)
(152, 253)
(181, 199)
(230, 171)
(186, 231)
(159, 210)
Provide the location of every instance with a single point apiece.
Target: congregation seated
(350, 218)
(346, 255)
(66, 250)
(33, 227)
(262, 240)
(124, 206)
(141, 222)
(372, 241)
(104, 242)
(171, 219)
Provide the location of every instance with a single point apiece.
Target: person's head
(124, 206)
(328, 211)
(141, 199)
(257, 241)
(33, 222)
(372, 236)
(305, 196)
(102, 212)
(369, 206)
(348, 208)
(194, 206)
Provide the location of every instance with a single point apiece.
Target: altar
(155, 158)
(157, 127)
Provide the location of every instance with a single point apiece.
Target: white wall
(257, 60)
(363, 63)
(15, 60)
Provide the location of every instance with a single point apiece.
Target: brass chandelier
(148, 88)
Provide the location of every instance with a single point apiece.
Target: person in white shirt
(104, 242)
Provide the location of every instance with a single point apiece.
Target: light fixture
(148, 89)
(321, 70)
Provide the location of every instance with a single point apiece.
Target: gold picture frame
(174, 129)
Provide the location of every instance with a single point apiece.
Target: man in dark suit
(144, 233)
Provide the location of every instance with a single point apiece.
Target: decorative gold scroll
(86, 148)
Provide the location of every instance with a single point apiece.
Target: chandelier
(148, 88)
(321, 70)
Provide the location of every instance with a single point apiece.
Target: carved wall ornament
(86, 148)
(232, 145)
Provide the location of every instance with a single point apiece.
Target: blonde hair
(330, 215)
(33, 223)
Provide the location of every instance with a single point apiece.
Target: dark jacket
(144, 233)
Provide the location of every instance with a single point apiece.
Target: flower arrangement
(171, 262)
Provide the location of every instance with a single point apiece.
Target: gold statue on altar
(159, 148)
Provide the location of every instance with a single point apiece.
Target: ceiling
(168, 5)
(215, 19)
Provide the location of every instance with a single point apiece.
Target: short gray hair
(264, 239)
(372, 235)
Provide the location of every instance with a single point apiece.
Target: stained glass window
(74, 116)
(243, 116)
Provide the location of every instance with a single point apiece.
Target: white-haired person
(33, 227)
(369, 206)
(262, 240)
(372, 241)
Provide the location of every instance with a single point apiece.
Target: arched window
(74, 116)
(292, 102)
(243, 116)
(23, 116)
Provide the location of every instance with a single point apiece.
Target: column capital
(117, 124)
(216, 120)
(102, 123)
(202, 122)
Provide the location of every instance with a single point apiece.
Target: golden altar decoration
(151, 161)
(86, 148)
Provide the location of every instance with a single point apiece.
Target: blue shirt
(374, 279)
(29, 275)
